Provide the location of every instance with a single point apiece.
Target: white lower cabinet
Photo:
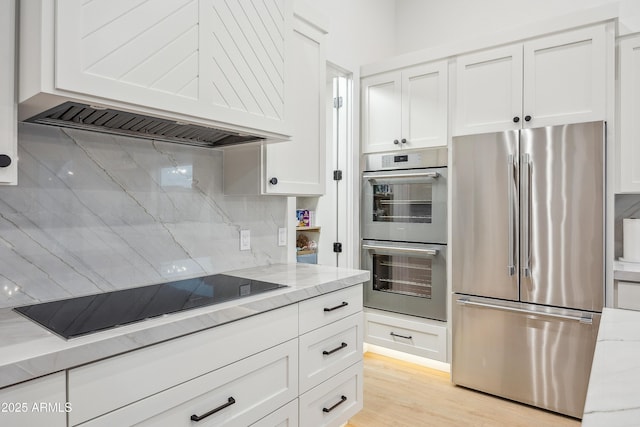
(334, 401)
(627, 295)
(413, 335)
(249, 372)
(107, 385)
(39, 402)
(236, 395)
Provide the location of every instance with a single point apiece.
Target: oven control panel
(401, 161)
(424, 158)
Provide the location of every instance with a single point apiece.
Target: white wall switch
(245, 240)
(282, 236)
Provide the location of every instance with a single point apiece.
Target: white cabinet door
(298, 165)
(488, 91)
(629, 131)
(212, 59)
(381, 112)
(424, 106)
(565, 78)
(8, 111)
(39, 402)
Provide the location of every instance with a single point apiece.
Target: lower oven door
(407, 278)
(405, 205)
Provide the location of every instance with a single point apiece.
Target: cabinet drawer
(17, 403)
(287, 416)
(326, 351)
(322, 310)
(238, 394)
(334, 401)
(106, 385)
(420, 337)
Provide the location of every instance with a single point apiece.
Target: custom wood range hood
(174, 71)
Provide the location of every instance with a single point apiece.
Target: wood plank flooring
(402, 394)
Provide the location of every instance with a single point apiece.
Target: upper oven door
(405, 205)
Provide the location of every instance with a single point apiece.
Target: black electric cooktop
(78, 316)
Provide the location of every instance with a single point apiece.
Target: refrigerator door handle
(585, 318)
(511, 266)
(526, 214)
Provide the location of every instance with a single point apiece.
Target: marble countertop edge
(29, 351)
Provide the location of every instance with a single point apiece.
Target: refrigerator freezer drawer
(541, 358)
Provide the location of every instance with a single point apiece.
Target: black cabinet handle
(403, 140)
(344, 304)
(273, 181)
(4, 160)
(343, 345)
(527, 118)
(395, 141)
(516, 119)
(393, 334)
(230, 402)
(342, 400)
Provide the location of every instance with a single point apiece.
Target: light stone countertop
(626, 271)
(613, 396)
(27, 350)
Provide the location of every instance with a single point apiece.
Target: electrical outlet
(245, 240)
(282, 237)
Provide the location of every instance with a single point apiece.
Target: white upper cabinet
(628, 155)
(547, 81)
(489, 90)
(295, 167)
(221, 61)
(405, 109)
(8, 110)
(298, 165)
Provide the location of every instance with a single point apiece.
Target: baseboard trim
(406, 357)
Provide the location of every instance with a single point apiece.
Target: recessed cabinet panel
(565, 78)
(489, 91)
(559, 79)
(382, 105)
(405, 109)
(629, 147)
(299, 164)
(22, 403)
(424, 101)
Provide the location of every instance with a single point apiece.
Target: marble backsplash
(95, 212)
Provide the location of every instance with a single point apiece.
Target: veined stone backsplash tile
(95, 212)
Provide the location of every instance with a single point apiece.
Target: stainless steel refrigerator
(527, 257)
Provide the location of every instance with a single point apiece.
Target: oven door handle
(433, 175)
(432, 252)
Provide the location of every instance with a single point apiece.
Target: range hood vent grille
(82, 116)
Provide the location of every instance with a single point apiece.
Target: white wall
(360, 31)
(427, 23)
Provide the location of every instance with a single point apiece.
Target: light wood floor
(402, 394)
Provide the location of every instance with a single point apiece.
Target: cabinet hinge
(337, 175)
(337, 102)
(337, 247)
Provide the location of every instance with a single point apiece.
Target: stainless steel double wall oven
(404, 231)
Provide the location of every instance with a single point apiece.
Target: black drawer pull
(343, 345)
(344, 304)
(393, 334)
(342, 400)
(230, 402)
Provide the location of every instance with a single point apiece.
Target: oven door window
(402, 274)
(402, 202)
